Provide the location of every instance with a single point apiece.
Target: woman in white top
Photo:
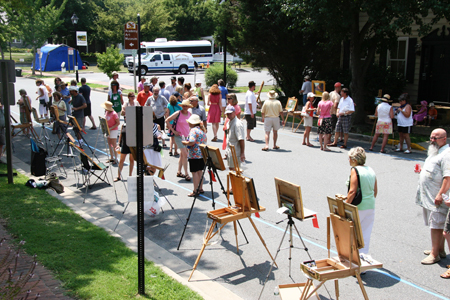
(385, 114)
(42, 97)
(404, 122)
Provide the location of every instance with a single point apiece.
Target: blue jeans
(305, 99)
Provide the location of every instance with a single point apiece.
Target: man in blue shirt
(223, 89)
(66, 98)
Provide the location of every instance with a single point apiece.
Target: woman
(308, 120)
(131, 102)
(404, 122)
(224, 93)
(385, 114)
(42, 97)
(368, 183)
(215, 109)
(200, 92)
(187, 89)
(196, 137)
(116, 97)
(141, 84)
(422, 113)
(172, 108)
(66, 98)
(180, 129)
(124, 151)
(112, 118)
(61, 106)
(151, 153)
(325, 128)
(23, 101)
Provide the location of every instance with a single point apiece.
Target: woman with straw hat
(112, 118)
(196, 137)
(180, 129)
(385, 114)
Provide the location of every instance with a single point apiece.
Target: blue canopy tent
(54, 55)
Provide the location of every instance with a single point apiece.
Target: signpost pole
(5, 68)
(139, 44)
(134, 73)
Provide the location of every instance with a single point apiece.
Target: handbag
(358, 197)
(174, 125)
(42, 101)
(304, 113)
(319, 123)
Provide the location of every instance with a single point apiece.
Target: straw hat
(194, 119)
(386, 98)
(186, 103)
(272, 94)
(107, 105)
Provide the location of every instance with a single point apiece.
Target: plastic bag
(154, 208)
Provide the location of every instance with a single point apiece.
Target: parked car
(159, 61)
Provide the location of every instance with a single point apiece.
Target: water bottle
(445, 197)
(276, 291)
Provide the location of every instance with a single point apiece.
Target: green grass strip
(91, 263)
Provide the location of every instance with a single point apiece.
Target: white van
(160, 61)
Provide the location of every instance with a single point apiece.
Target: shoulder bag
(174, 125)
(358, 197)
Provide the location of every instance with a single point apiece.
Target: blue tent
(54, 55)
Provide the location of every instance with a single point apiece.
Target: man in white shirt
(173, 85)
(344, 113)
(250, 109)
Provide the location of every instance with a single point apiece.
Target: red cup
(417, 168)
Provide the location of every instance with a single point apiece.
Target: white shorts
(113, 133)
(434, 219)
(42, 109)
(308, 121)
(224, 103)
(270, 123)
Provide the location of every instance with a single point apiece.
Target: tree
(366, 24)
(109, 61)
(35, 21)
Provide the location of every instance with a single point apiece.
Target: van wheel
(183, 69)
(143, 70)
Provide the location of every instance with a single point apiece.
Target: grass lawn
(90, 263)
(244, 89)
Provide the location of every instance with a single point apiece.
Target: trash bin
(18, 72)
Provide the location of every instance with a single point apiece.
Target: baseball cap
(146, 83)
(73, 88)
(173, 78)
(230, 109)
(338, 84)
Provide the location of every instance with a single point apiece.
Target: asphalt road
(398, 239)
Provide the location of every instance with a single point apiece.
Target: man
(434, 181)
(250, 109)
(224, 92)
(78, 106)
(66, 98)
(198, 110)
(140, 86)
(159, 106)
(163, 90)
(85, 91)
(144, 94)
(344, 113)
(270, 112)
(235, 134)
(181, 81)
(334, 97)
(153, 83)
(173, 85)
(306, 88)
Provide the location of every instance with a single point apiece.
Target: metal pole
(225, 57)
(139, 46)
(4, 70)
(76, 65)
(140, 199)
(134, 74)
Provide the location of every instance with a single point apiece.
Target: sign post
(69, 53)
(133, 52)
(132, 43)
(38, 51)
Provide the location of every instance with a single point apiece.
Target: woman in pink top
(180, 128)
(112, 118)
(215, 108)
(324, 123)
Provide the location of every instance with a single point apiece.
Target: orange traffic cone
(207, 65)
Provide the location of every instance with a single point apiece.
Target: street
(398, 238)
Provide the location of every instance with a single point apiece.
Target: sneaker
(430, 259)
(407, 152)
(398, 150)
(442, 254)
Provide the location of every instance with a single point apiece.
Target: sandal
(214, 139)
(265, 149)
(117, 179)
(201, 191)
(383, 151)
(250, 140)
(446, 274)
(170, 153)
(276, 147)
(193, 194)
(187, 178)
(179, 174)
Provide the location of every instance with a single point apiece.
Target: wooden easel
(292, 112)
(346, 264)
(258, 99)
(147, 164)
(29, 125)
(245, 205)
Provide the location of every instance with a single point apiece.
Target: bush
(215, 72)
(109, 61)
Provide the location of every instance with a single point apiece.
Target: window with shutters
(397, 57)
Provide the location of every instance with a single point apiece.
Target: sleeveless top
(367, 177)
(311, 113)
(117, 104)
(404, 121)
(383, 110)
(182, 124)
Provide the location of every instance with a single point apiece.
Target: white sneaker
(398, 150)
(407, 152)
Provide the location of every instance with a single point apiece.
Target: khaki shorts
(434, 219)
(270, 123)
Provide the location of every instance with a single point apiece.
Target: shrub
(215, 72)
(109, 61)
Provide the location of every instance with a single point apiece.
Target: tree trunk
(34, 61)
(1, 50)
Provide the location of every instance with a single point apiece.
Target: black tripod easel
(289, 226)
(212, 170)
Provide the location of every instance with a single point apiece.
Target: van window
(166, 56)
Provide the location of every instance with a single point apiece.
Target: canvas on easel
(74, 123)
(318, 87)
(104, 126)
(214, 154)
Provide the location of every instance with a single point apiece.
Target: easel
(246, 204)
(22, 127)
(212, 169)
(291, 105)
(43, 135)
(258, 99)
(290, 197)
(346, 264)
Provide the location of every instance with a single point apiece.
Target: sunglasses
(131, 96)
